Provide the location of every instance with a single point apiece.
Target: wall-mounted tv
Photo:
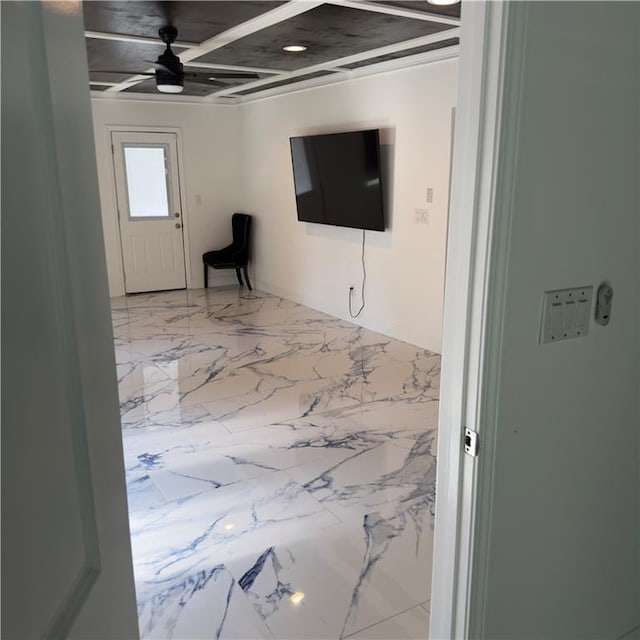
(337, 179)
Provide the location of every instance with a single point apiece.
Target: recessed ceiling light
(296, 597)
(443, 2)
(294, 48)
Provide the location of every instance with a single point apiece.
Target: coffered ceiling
(343, 38)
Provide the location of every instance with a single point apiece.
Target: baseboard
(405, 334)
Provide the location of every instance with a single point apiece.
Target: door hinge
(471, 442)
(113, 151)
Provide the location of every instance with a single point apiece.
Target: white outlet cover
(422, 216)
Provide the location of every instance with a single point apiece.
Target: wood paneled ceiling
(343, 38)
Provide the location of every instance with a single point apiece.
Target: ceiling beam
(406, 62)
(268, 19)
(445, 53)
(264, 20)
(166, 98)
(401, 12)
(334, 64)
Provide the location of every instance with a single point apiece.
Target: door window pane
(146, 182)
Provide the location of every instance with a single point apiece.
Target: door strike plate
(471, 442)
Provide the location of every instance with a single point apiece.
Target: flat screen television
(337, 179)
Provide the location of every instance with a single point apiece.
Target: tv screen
(337, 179)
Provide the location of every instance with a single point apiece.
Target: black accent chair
(236, 255)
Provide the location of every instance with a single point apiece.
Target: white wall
(238, 159)
(210, 166)
(557, 551)
(316, 264)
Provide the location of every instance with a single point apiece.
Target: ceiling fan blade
(123, 73)
(210, 83)
(208, 77)
(161, 67)
(234, 74)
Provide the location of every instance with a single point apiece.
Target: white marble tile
(351, 577)
(238, 388)
(323, 569)
(138, 376)
(410, 625)
(396, 567)
(183, 535)
(182, 464)
(206, 604)
(160, 404)
(378, 479)
(269, 404)
(387, 416)
(175, 485)
(158, 439)
(299, 442)
(305, 365)
(143, 493)
(270, 449)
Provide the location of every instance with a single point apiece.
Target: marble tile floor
(280, 469)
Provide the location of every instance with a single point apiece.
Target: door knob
(178, 225)
(176, 215)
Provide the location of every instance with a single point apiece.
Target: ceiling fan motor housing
(175, 70)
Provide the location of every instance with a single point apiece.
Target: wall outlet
(422, 216)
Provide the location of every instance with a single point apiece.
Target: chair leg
(239, 276)
(246, 277)
(206, 276)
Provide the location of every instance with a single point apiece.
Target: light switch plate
(566, 314)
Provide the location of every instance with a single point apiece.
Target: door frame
(181, 196)
(472, 255)
(476, 253)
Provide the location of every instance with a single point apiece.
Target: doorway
(150, 217)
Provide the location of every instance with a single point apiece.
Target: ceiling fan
(170, 74)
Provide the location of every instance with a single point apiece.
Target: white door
(149, 211)
(537, 535)
(66, 556)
